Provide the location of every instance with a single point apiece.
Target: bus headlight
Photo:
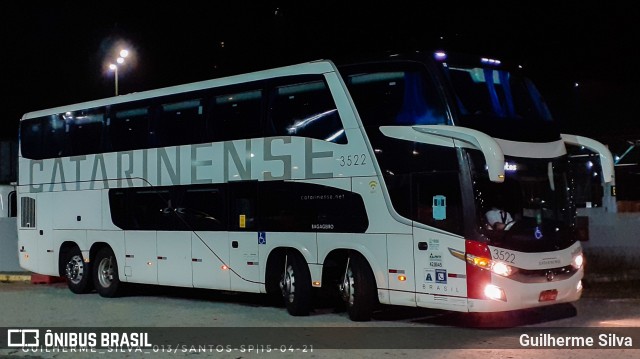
(502, 269)
(498, 268)
(578, 261)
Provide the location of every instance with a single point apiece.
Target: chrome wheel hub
(75, 269)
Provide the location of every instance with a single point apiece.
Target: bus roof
(307, 68)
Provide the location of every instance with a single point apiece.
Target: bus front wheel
(77, 272)
(105, 273)
(295, 284)
(358, 289)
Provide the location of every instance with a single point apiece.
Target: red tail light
(478, 260)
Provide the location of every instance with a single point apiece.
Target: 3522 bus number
(504, 256)
(353, 160)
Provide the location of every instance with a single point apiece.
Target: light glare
(500, 268)
(494, 292)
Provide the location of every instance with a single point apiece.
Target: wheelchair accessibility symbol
(262, 238)
(441, 276)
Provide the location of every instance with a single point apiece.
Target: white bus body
(269, 182)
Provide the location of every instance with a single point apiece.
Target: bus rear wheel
(105, 273)
(358, 289)
(77, 272)
(295, 284)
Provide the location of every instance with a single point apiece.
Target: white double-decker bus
(368, 180)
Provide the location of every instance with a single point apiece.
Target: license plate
(548, 295)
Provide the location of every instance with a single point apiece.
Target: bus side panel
(440, 277)
(372, 246)
(174, 258)
(402, 285)
(78, 236)
(78, 209)
(28, 248)
(47, 254)
(378, 213)
(341, 99)
(210, 252)
(115, 240)
(244, 261)
(107, 222)
(140, 257)
(305, 243)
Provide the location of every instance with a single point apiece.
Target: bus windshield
(532, 209)
(496, 94)
(395, 94)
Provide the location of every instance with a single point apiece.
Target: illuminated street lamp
(119, 61)
(114, 68)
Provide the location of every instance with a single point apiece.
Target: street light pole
(115, 69)
(119, 61)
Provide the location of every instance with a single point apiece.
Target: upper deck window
(395, 95)
(238, 115)
(307, 110)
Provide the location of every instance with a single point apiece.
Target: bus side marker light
(224, 267)
(494, 292)
(316, 283)
(402, 278)
(478, 261)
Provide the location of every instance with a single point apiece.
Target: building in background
(8, 207)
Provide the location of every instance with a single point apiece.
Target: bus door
(204, 211)
(47, 255)
(243, 237)
(440, 277)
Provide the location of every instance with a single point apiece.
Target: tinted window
(129, 128)
(55, 139)
(176, 208)
(13, 205)
(85, 130)
(238, 115)
(396, 94)
(433, 199)
(243, 206)
(31, 132)
(201, 208)
(139, 208)
(306, 110)
(181, 122)
(239, 206)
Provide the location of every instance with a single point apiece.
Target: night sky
(56, 53)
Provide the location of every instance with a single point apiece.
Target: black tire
(76, 271)
(105, 273)
(272, 280)
(359, 289)
(295, 285)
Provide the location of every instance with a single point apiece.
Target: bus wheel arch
(352, 279)
(105, 273)
(288, 280)
(73, 267)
